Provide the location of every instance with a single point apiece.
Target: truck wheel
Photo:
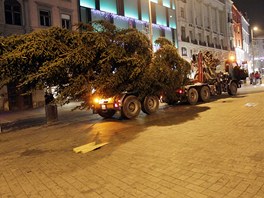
(205, 94)
(106, 113)
(232, 89)
(192, 96)
(150, 104)
(131, 107)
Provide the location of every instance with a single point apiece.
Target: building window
(184, 51)
(45, 18)
(172, 18)
(131, 8)
(200, 37)
(215, 41)
(66, 21)
(191, 35)
(222, 43)
(161, 15)
(208, 40)
(183, 33)
(88, 3)
(13, 12)
(108, 6)
(182, 12)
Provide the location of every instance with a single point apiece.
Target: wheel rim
(151, 103)
(132, 107)
(205, 93)
(193, 96)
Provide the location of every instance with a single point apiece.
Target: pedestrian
(257, 77)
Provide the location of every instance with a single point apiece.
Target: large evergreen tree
(99, 57)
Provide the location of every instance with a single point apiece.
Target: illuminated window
(108, 6)
(172, 19)
(166, 3)
(131, 8)
(173, 5)
(144, 10)
(88, 3)
(161, 15)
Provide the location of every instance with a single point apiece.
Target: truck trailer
(129, 104)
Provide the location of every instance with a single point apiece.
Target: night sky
(254, 10)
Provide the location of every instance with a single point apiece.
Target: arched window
(13, 12)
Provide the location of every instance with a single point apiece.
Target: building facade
(258, 45)
(202, 25)
(24, 16)
(245, 55)
(238, 34)
(134, 14)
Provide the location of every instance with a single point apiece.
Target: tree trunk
(51, 111)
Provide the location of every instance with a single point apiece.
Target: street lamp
(252, 45)
(150, 23)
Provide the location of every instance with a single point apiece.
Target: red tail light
(179, 91)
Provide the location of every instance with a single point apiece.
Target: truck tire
(131, 107)
(205, 94)
(232, 89)
(192, 96)
(150, 104)
(106, 113)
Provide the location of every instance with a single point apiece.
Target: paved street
(210, 150)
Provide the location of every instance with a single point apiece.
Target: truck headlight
(96, 100)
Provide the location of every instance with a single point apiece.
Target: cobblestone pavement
(209, 150)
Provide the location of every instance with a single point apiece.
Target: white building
(204, 25)
(258, 47)
(245, 54)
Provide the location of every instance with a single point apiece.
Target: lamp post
(252, 46)
(150, 23)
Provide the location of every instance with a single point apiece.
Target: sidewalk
(10, 121)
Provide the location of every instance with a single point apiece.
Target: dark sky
(254, 10)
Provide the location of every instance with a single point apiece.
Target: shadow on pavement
(23, 123)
